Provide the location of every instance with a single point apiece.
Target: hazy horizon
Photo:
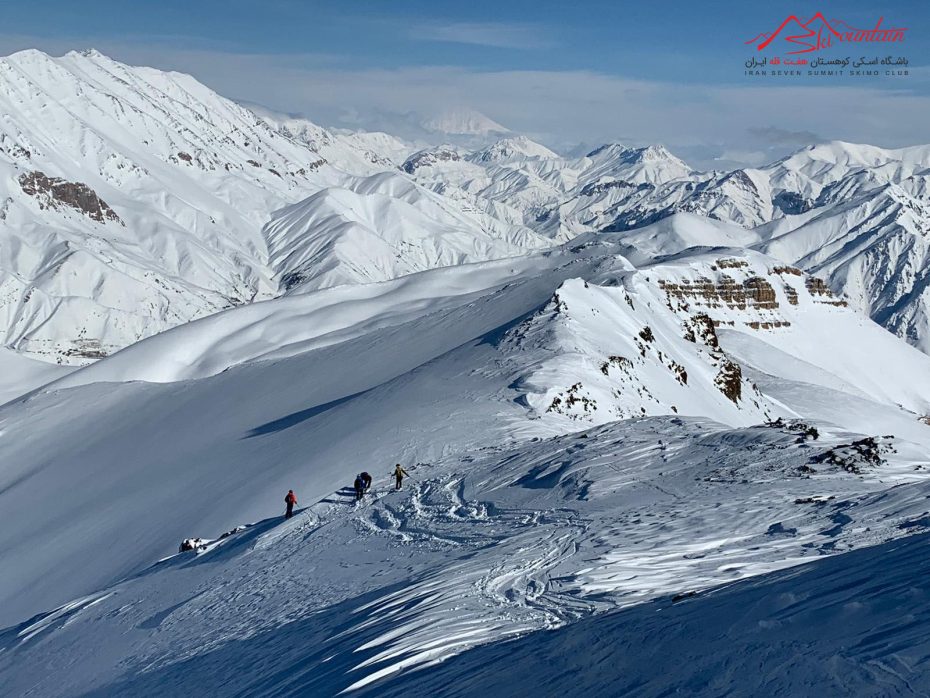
(566, 77)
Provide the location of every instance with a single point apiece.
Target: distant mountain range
(627, 395)
(134, 200)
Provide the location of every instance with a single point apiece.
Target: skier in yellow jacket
(399, 473)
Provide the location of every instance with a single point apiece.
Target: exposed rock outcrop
(755, 292)
(730, 380)
(818, 288)
(54, 193)
(853, 457)
(565, 403)
(427, 158)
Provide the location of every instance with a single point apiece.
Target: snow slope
(20, 375)
(381, 227)
(867, 610)
(504, 543)
(131, 200)
(668, 404)
(365, 386)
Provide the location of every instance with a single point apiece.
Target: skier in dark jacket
(359, 487)
(399, 473)
(366, 480)
(290, 500)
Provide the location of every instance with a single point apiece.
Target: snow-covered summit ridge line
(857, 214)
(593, 414)
(543, 345)
(133, 200)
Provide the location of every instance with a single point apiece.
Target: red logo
(817, 33)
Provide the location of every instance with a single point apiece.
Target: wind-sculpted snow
(297, 324)
(849, 625)
(496, 543)
(381, 227)
(303, 390)
(687, 393)
(582, 435)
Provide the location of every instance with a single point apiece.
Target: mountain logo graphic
(819, 33)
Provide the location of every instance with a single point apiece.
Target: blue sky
(562, 72)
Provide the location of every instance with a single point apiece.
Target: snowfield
(532, 503)
(666, 431)
(505, 544)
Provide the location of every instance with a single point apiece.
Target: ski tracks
(504, 577)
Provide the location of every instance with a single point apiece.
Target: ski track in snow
(522, 517)
(561, 494)
(472, 550)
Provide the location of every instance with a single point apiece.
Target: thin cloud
(701, 121)
(781, 136)
(745, 157)
(492, 34)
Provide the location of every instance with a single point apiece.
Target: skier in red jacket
(290, 500)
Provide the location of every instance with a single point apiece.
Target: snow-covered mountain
(382, 227)
(616, 384)
(360, 153)
(133, 200)
(873, 248)
(879, 196)
(463, 121)
(582, 435)
(136, 200)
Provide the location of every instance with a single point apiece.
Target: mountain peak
(29, 54)
(656, 152)
(609, 149)
(515, 147)
(464, 121)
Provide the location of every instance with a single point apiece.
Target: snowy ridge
(618, 386)
(125, 188)
(382, 227)
(645, 342)
(378, 362)
(189, 176)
